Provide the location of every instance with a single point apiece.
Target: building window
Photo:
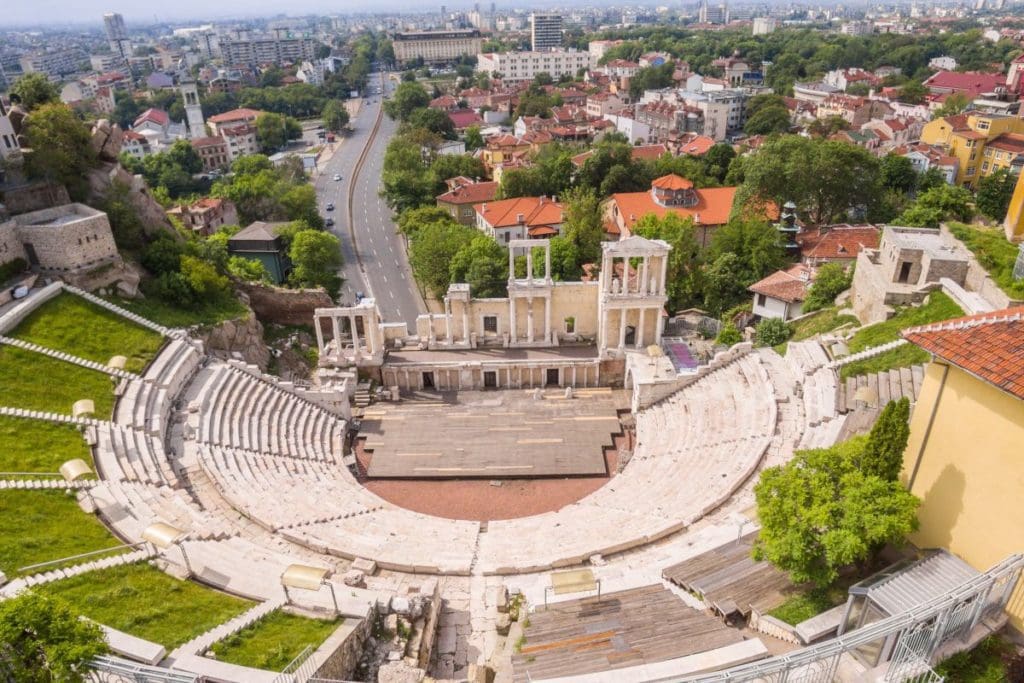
(491, 324)
(762, 300)
(970, 170)
(984, 167)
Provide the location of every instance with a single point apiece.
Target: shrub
(729, 335)
(772, 332)
(831, 281)
(11, 268)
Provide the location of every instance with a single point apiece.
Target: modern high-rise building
(545, 31)
(713, 14)
(267, 49)
(117, 35)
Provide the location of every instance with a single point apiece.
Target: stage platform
(492, 434)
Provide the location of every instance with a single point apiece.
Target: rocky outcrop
(106, 140)
(151, 214)
(241, 339)
(285, 306)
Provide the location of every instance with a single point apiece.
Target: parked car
(328, 222)
(330, 206)
(337, 176)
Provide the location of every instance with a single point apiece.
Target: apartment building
(524, 66)
(967, 137)
(545, 31)
(267, 49)
(436, 47)
(54, 63)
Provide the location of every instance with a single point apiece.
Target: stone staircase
(123, 312)
(28, 484)
(18, 585)
(204, 641)
(66, 357)
(362, 397)
(866, 353)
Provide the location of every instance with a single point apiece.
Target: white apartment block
(436, 46)
(524, 66)
(267, 50)
(764, 25)
(55, 63)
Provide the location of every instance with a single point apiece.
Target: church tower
(193, 110)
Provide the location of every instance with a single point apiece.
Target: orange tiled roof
(990, 346)
(235, 115)
(789, 285)
(1008, 142)
(714, 204)
(536, 212)
(470, 193)
(697, 146)
(672, 182)
(838, 242)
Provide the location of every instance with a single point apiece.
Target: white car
(337, 176)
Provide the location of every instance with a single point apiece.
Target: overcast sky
(44, 12)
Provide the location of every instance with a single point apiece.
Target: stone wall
(34, 196)
(150, 213)
(285, 306)
(343, 649)
(10, 244)
(240, 339)
(13, 317)
(67, 238)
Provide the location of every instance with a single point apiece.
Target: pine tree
(883, 455)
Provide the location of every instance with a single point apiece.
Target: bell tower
(193, 110)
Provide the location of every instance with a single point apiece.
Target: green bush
(729, 335)
(831, 281)
(11, 268)
(771, 332)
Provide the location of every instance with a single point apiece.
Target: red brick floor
(478, 500)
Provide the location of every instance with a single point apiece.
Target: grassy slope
(825, 320)
(939, 307)
(274, 641)
(34, 446)
(38, 382)
(986, 663)
(71, 324)
(43, 525)
(143, 601)
(170, 316)
(994, 253)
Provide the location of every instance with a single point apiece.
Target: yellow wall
(939, 132)
(970, 476)
(1014, 223)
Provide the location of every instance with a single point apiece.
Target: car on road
(328, 222)
(360, 296)
(330, 206)
(337, 177)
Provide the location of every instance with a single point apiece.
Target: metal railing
(301, 668)
(109, 669)
(921, 631)
(91, 553)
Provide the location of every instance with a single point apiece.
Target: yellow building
(965, 457)
(967, 136)
(1013, 224)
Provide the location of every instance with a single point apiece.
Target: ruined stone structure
(72, 238)
(544, 333)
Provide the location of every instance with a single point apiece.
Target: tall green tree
(897, 173)
(883, 453)
(684, 275)
(335, 115)
(407, 98)
(61, 148)
(42, 640)
(830, 281)
(825, 178)
(994, 194)
(316, 258)
(274, 130)
(755, 243)
(432, 252)
(35, 89)
(483, 264)
(820, 513)
(769, 120)
(940, 203)
(583, 223)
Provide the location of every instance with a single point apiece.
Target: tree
(755, 243)
(684, 277)
(897, 173)
(34, 89)
(722, 287)
(43, 640)
(883, 453)
(124, 220)
(994, 194)
(483, 264)
(718, 159)
(933, 177)
(411, 221)
(825, 178)
(830, 281)
(955, 104)
(434, 120)
(408, 97)
(830, 125)
(316, 258)
(433, 250)
(773, 119)
(729, 335)
(61, 148)
(759, 102)
(912, 92)
(335, 115)
(583, 223)
(940, 203)
(274, 130)
(820, 512)
(203, 279)
(772, 332)
(473, 138)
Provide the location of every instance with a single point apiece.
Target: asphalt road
(385, 273)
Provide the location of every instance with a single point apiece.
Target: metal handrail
(861, 636)
(141, 672)
(69, 558)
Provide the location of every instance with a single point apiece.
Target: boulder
(107, 139)
(399, 672)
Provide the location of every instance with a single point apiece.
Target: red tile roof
(714, 204)
(1008, 142)
(672, 182)
(157, 116)
(697, 146)
(470, 193)
(536, 212)
(464, 118)
(235, 115)
(990, 346)
(789, 285)
(972, 82)
(838, 241)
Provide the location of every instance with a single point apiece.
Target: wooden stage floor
(491, 434)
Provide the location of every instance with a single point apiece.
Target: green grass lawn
(172, 316)
(995, 254)
(37, 382)
(274, 641)
(35, 446)
(145, 602)
(939, 307)
(44, 525)
(812, 602)
(71, 324)
(825, 320)
(986, 663)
